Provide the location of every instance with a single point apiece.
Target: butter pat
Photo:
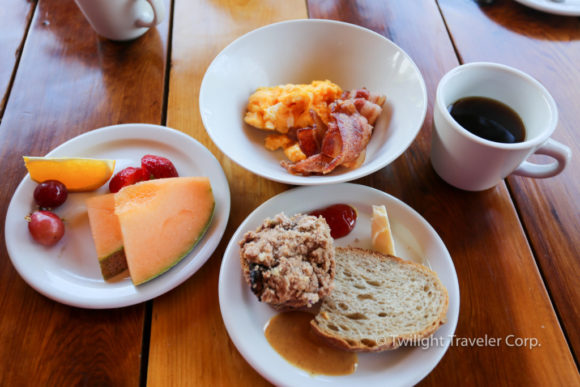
(381, 236)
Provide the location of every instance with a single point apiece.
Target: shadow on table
(530, 22)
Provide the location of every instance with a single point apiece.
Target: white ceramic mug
(122, 19)
(472, 163)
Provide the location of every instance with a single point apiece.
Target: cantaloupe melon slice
(106, 233)
(161, 221)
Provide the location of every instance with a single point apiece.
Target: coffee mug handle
(558, 151)
(158, 14)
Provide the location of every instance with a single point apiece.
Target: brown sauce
(291, 336)
(341, 219)
(489, 119)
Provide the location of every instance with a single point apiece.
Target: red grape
(50, 194)
(45, 227)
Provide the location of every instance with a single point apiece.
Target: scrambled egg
(284, 107)
(277, 141)
(291, 148)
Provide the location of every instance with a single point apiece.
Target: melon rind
(107, 237)
(114, 265)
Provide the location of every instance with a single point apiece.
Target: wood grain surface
(15, 16)
(70, 81)
(548, 48)
(514, 247)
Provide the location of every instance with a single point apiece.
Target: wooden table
(515, 247)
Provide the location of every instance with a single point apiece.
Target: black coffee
(489, 119)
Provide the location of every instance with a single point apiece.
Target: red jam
(341, 218)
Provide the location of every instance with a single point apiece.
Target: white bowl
(300, 51)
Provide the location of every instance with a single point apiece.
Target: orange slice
(77, 174)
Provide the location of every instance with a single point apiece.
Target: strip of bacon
(345, 138)
(370, 110)
(310, 138)
(307, 140)
(363, 93)
(354, 133)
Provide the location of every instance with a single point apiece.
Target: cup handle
(158, 14)
(558, 151)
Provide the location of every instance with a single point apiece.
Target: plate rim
(453, 287)
(288, 178)
(547, 6)
(123, 132)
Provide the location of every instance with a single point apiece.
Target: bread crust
(341, 341)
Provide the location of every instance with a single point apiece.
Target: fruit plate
(69, 271)
(301, 51)
(245, 317)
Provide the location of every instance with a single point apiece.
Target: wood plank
(189, 343)
(548, 48)
(70, 81)
(15, 16)
(498, 278)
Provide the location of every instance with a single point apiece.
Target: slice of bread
(380, 302)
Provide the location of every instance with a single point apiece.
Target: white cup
(122, 19)
(472, 163)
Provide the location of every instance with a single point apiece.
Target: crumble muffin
(289, 261)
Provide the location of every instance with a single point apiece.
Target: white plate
(564, 8)
(245, 317)
(69, 271)
(300, 51)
